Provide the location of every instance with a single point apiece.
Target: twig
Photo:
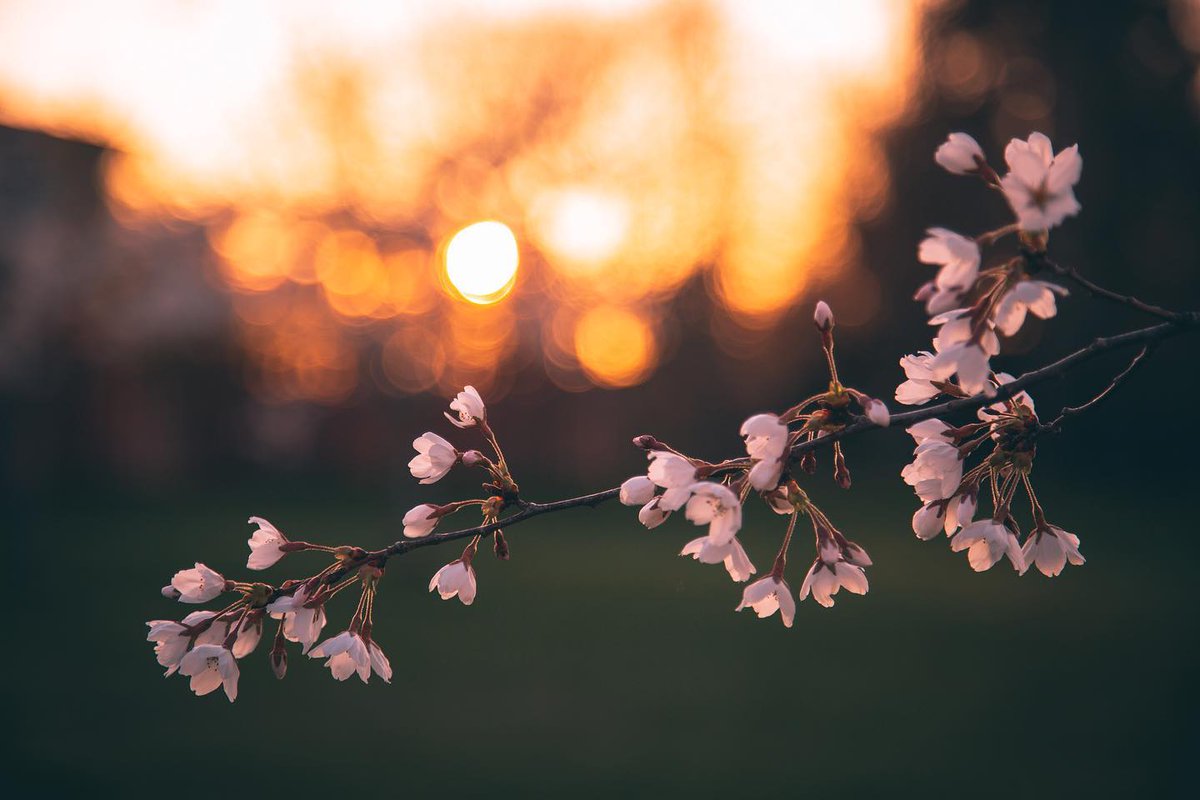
(1040, 261)
(1143, 336)
(1070, 411)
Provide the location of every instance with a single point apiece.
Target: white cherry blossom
(957, 256)
(264, 544)
(824, 580)
(715, 505)
(347, 654)
(248, 636)
(1050, 548)
(1040, 185)
(919, 388)
(435, 456)
(211, 666)
(198, 585)
(420, 520)
(930, 429)
(936, 299)
(960, 154)
(935, 472)
(986, 542)
(877, 412)
(301, 623)
(637, 491)
(960, 512)
(731, 554)
(172, 639)
(455, 579)
(675, 474)
(766, 437)
(469, 407)
(768, 595)
(652, 515)
(1035, 297)
(929, 520)
(764, 475)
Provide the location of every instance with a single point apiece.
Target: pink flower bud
(823, 316)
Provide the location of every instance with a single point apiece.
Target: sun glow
(481, 262)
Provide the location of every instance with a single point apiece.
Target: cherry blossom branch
(1039, 261)
(1096, 348)
(1069, 411)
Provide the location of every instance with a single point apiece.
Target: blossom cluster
(972, 306)
(713, 494)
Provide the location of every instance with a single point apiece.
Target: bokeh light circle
(481, 261)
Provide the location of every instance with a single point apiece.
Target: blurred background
(249, 250)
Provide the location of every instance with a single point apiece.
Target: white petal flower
(455, 579)
(986, 542)
(469, 407)
(929, 520)
(766, 437)
(420, 520)
(731, 554)
(264, 544)
(969, 362)
(957, 256)
(1040, 186)
(347, 654)
(673, 473)
(919, 388)
(302, 623)
(768, 595)
(936, 299)
(379, 662)
(435, 456)
(764, 475)
(172, 639)
(652, 515)
(1049, 548)
(960, 512)
(210, 666)
(1021, 398)
(1036, 297)
(715, 505)
(637, 491)
(936, 470)
(198, 585)
(930, 429)
(824, 580)
(248, 637)
(960, 154)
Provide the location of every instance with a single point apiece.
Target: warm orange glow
(331, 154)
(615, 346)
(481, 262)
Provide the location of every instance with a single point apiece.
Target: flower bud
(823, 317)
(473, 458)
(646, 442)
(279, 662)
(808, 462)
(500, 545)
(877, 412)
(637, 491)
(171, 593)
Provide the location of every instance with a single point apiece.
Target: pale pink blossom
(652, 515)
(957, 256)
(675, 474)
(936, 299)
(469, 407)
(197, 585)
(919, 388)
(348, 653)
(936, 470)
(1040, 185)
(248, 636)
(1050, 548)
(765, 475)
(766, 437)
(824, 580)
(731, 554)
(963, 351)
(1035, 297)
(172, 639)
(637, 491)
(265, 544)
(960, 154)
(303, 621)
(420, 520)
(768, 595)
(877, 412)
(986, 542)
(715, 505)
(455, 579)
(210, 666)
(930, 429)
(960, 512)
(929, 520)
(435, 456)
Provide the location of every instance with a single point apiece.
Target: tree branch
(1070, 411)
(1180, 322)
(1039, 261)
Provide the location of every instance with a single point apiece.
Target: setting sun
(481, 262)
